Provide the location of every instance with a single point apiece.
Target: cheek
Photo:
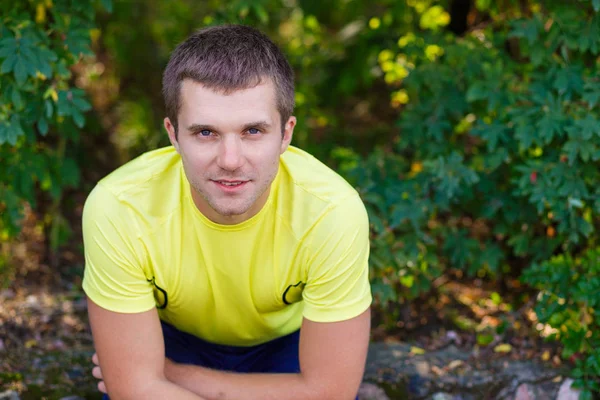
(270, 158)
(194, 161)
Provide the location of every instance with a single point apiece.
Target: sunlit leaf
(503, 348)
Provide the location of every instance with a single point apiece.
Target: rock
(454, 370)
(566, 392)
(442, 396)
(9, 395)
(32, 300)
(418, 385)
(448, 396)
(453, 337)
(526, 391)
(369, 391)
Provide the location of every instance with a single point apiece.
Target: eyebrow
(262, 125)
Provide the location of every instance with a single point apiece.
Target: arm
(125, 325)
(332, 361)
(131, 352)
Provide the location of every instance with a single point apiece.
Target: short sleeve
(114, 276)
(337, 286)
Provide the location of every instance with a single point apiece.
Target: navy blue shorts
(277, 356)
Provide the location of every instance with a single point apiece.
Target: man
(230, 265)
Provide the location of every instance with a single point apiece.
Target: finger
(102, 387)
(97, 372)
(95, 359)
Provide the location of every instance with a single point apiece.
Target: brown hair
(228, 58)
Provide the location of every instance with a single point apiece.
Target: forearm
(155, 389)
(219, 385)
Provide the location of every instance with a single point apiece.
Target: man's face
(230, 147)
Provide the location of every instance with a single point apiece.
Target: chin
(231, 211)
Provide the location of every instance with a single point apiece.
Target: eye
(204, 132)
(253, 131)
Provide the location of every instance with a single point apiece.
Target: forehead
(201, 102)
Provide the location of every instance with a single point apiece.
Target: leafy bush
(496, 165)
(569, 303)
(41, 111)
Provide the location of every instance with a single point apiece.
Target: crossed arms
(131, 352)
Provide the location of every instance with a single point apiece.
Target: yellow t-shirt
(305, 253)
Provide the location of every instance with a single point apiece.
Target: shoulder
(314, 177)
(148, 185)
(142, 172)
(314, 196)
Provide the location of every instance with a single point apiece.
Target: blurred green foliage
(569, 303)
(472, 133)
(41, 111)
(495, 170)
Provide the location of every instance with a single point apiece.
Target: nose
(230, 157)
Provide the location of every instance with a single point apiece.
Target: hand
(97, 373)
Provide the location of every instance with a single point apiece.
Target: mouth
(230, 185)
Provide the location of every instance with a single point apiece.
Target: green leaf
(78, 118)
(10, 132)
(43, 126)
(587, 394)
(484, 339)
(81, 104)
(491, 256)
(9, 42)
(63, 105)
(526, 28)
(8, 64)
(493, 134)
(477, 91)
(589, 126)
(3, 135)
(596, 5)
(69, 172)
(383, 291)
(62, 70)
(520, 244)
(575, 202)
(407, 280)
(592, 93)
(107, 4)
(8, 47)
(20, 72)
(526, 135)
(261, 13)
(45, 57)
(6, 51)
(28, 55)
(16, 98)
(547, 127)
(538, 55)
(78, 42)
(484, 5)
(49, 108)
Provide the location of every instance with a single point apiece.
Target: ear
(288, 133)
(171, 131)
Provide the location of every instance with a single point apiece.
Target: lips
(226, 183)
(230, 185)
